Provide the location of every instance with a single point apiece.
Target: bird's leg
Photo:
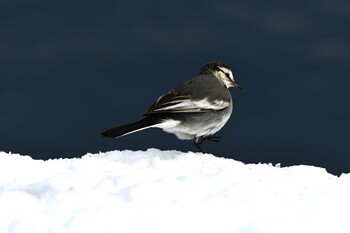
(196, 142)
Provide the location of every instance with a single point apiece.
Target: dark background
(70, 70)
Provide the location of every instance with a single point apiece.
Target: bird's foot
(197, 145)
(198, 141)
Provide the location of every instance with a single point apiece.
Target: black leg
(198, 141)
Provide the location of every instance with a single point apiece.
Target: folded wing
(173, 102)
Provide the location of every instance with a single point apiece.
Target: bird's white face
(225, 75)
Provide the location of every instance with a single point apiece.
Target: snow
(168, 191)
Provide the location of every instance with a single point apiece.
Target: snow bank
(168, 191)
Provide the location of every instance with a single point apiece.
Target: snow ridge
(168, 191)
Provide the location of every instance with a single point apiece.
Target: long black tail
(130, 128)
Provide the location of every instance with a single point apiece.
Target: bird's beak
(234, 84)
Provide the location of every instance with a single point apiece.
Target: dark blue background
(70, 70)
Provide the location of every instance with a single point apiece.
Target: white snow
(168, 191)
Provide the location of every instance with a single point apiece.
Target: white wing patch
(188, 105)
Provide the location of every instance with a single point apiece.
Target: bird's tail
(122, 130)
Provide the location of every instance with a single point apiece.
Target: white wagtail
(194, 110)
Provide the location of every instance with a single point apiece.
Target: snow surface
(168, 191)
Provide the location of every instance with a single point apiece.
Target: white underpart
(195, 106)
(174, 127)
(195, 129)
(188, 132)
(167, 124)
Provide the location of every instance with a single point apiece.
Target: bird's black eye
(227, 75)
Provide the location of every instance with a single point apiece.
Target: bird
(194, 110)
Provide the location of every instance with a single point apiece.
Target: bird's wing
(173, 102)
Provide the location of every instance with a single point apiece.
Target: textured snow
(168, 191)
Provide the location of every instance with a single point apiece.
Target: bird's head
(221, 72)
